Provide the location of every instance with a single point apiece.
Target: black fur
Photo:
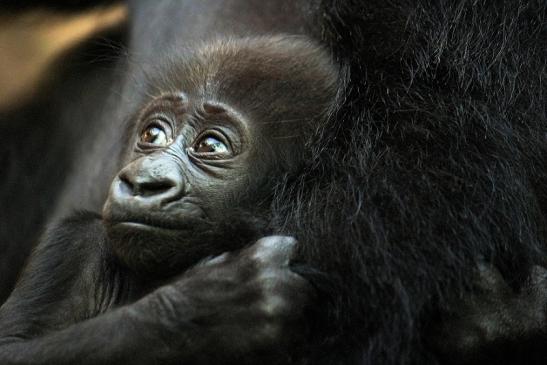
(436, 157)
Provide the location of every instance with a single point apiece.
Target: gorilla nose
(148, 182)
(146, 185)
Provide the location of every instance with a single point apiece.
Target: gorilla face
(207, 153)
(191, 163)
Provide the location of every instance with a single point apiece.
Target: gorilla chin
(153, 248)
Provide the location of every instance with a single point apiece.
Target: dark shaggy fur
(436, 156)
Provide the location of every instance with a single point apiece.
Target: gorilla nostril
(126, 186)
(151, 188)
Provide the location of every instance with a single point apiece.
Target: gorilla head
(228, 119)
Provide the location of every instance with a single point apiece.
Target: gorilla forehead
(273, 76)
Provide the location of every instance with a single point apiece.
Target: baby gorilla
(202, 161)
(230, 121)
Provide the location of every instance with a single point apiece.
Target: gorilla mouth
(117, 216)
(153, 225)
(134, 225)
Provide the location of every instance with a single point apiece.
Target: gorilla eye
(211, 145)
(155, 135)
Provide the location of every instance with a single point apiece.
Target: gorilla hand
(235, 307)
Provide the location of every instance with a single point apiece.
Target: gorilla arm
(234, 306)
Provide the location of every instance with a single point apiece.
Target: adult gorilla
(434, 159)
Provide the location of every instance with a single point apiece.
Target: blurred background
(31, 42)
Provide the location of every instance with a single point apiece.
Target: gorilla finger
(538, 276)
(490, 279)
(535, 287)
(211, 261)
(274, 250)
